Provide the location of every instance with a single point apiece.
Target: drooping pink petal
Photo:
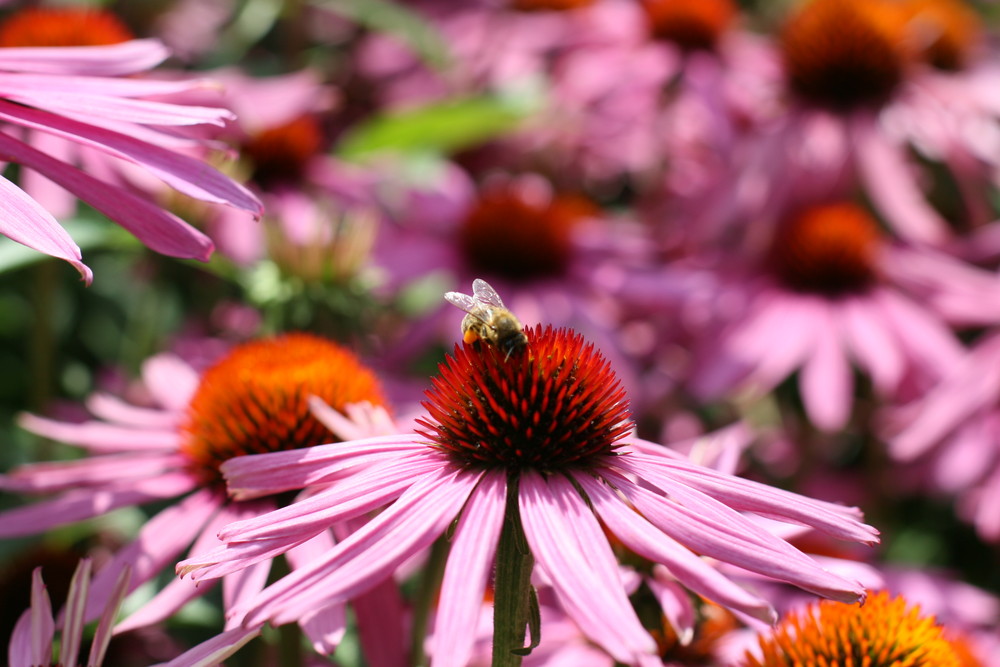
(370, 554)
(160, 230)
(649, 542)
(276, 472)
(351, 497)
(839, 521)
(826, 382)
(136, 55)
(675, 602)
(22, 219)
(31, 640)
(181, 172)
(710, 528)
(212, 652)
(567, 541)
(928, 342)
(101, 438)
(469, 564)
(113, 409)
(157, 545)
(83, 504)
(327, 626)
(171, 380)
(88, 472)
(892, 185)
(871, 344)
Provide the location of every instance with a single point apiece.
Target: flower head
(544, 430)
(255, 398)
(884, 632)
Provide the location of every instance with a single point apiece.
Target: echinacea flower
(64, 105)
(820, 299)
(884, 632)
(521, 458)
(253, 399)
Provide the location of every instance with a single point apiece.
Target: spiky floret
(63, 26)
(554, 404)
(884, 632)
(255, 400)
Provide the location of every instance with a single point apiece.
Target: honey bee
(487, 319)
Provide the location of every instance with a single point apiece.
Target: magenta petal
(567, 542)
(22, 219)
(156, 546)
(648, 541)
(371, 553)
(31, 640)
(88, 472)
(129, 57)
(469, 564)
(826, 382)
(871, 343)
(181, 172)
(892, 185)
(212, 652)
(102, 438)
(162, 231)
(87, 503)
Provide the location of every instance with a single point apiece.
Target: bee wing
(486, 294)
(463, 301)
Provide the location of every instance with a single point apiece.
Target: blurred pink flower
(252, 399)
(569, 461)
(819, 299)
(61, 105)
(955, 427)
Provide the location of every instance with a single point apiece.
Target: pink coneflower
(63, 104)
(254, 399)
(955, 425)
(858, 99)
(522, 459)
(819, 300)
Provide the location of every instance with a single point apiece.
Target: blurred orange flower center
(828, 249)
(63, 26)
(884, 632)
(549, 5)
(943, 32)
(511, 234)
(255, 400)
(280, 153)
(691, 24)
(841, 54)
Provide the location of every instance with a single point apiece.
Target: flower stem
(512, 586)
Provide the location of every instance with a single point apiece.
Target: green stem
(424, 600)
(512, 586)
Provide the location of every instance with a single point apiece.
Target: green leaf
(389, 17)
(443, 127)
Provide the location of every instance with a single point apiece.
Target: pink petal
(469, 564)
(710, 528)
(212, 652)
(31, 640)
(171, 380)
(102, 438)
(826, 382)
(22, 219)
(240, 587)
(183, 173)
(871, 343)
(928, 343)
(157, 545)
(649, 542)
(326, 627)
(73, 613)
(113, 409)
(370, 554)
(567, 542)
(892, 184)
(129, 57)
(360, 493)
(102, 635)
(95, 471)
(675, 603)
(83, 504)
(161, 231)
(276, 472)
